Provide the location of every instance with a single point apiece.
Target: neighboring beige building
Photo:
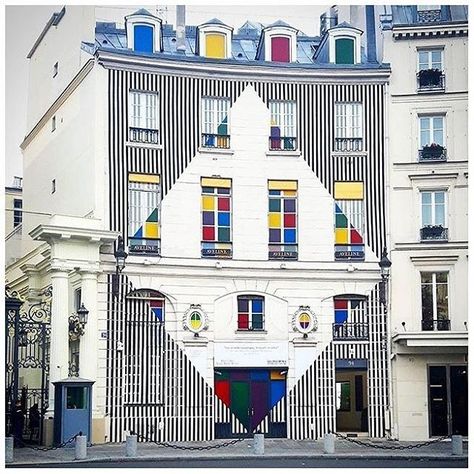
(428, 148)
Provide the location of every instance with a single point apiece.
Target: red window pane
(223, 204)
(208, 233)
(290, 220)
(281, 49)
(243, 321)
(356, 238)
(340, 304)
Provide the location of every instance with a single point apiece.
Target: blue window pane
(290, 205)
(274, 235)
(257, 306)
(143, 38)
(290, 236)
(208, 218)
(340, 315)
(223, 219)
(243, 305)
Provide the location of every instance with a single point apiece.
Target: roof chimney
(370, 34)
(181, 29)
(327, 20)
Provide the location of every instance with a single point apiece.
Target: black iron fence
(347, 144)
(432, 153)
(350, 331)
(435, 325)
(143, 135)
(430, 80)
(212, 140)
(433, 232)
(282, 143)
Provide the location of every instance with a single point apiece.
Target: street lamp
(77, 322)
(384, 265)
(120, 257)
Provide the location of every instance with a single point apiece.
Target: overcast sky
(25, 23)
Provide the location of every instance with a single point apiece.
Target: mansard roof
(408, 15)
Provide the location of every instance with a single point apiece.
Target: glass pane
(426, 198)
(426, 277)
(438, 137)
(424, 123)
(439, 214)
(438, 123)
(423, 59)
(442, 277)
(425, 215)
(76, 398)
(343, 396)
(436, 57)
(442, 300)
(427, 301)
(439, 197)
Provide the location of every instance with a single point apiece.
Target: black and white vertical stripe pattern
(350, 350)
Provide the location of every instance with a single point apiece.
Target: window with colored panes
(143, 38)
(250, 313)
(350, 319)
(282, 125)
(349, 221)
(143, 117)
(144, 202)
(216, 217)
(215, 122)
(282, 219)
(345, 50)
(215, 45)
(280, 46)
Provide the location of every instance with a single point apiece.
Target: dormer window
(143, 32)
(278, 43)
(214, 40)
(344, 44)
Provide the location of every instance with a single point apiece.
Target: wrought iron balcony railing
(430, 80)
(436, 325)
(433, 232)
(347, 144)
(212, 140)
(431, 153)
(350, 331)
(282, 143)
(429, 16)
(143, 135)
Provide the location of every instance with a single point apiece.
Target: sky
(23, 25)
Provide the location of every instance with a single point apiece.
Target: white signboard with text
(251, 354)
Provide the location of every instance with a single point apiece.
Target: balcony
(350, 331)
(431, 153)
(430, 80)
(282, 143)
(212, 140)
(429, 16)
(143, 135)
(433, 232)
(347, 144)
(436, 325)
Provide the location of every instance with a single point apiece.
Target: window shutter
(281, 49)
(344, 51)
(215, 46)
(143, 38)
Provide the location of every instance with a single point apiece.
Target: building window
(348, 116)
(433, 215)
(215, 122)
(250, 313)
(280, 49)
(216, 45)
(17, 212)
(53, 186)
(143, 38)
(282, 220)
(53, 123)
(144, 203)
(430, 69)
(77, 298)
(349, 220)
(434, 301)
(55, 70)
(345, 50)
(282, 125)
(216, 201)
(143, 117)
(350, 318)
(432, 135)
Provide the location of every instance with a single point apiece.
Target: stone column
(59, 343)
(88, 349)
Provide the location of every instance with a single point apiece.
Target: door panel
(438, 396)
(240, 401)
(259, 406)
(459, 406)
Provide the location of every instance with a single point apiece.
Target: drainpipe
(181, 29)
(370, 31)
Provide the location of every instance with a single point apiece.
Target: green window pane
(223, 234)
(345, 51)
(341, 221)
(274, 205)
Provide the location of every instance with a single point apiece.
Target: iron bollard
(329, 447)
(9, 449)
(131, 446)
(81, 447)
(456, 445)
(258, 443)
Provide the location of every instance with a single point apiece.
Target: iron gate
(27, 336)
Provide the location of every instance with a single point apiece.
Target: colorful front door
(252, 400)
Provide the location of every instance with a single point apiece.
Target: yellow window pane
(143, 178)
(283, 185)
(348, 190)
(274, 220)
(277, 375)
(215, 46)
(289, 193)
(341, 236)
(216, 182)
(208, 203)
(151, 230)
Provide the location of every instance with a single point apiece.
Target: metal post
(258, 443)
(456, 445)
(329, 447)
(131, 446)
(9, 449)
(81, 447)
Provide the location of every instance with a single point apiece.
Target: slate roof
(408, 15)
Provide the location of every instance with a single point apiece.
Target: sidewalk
(274, 448)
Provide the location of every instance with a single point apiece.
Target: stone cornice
(429, 30)
(50, 233)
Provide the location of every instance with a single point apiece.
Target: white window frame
(434, 293)
(280, 31)
(349, 33)
(348, 125)
(148, 102)
(431, 129)
(284, 113)
(430, 57)
(213, 109)
(432, 206)
(216, 29)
